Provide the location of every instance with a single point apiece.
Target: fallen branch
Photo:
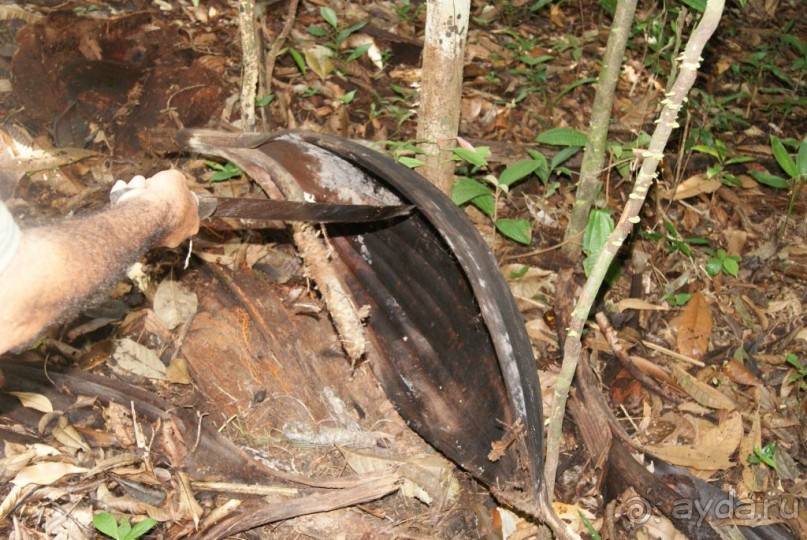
(249, 516)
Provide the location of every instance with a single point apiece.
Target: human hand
(166, 191)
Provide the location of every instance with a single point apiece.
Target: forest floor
(708, 301)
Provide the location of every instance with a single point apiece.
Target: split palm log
(444, 335)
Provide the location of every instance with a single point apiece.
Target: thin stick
(271, 56)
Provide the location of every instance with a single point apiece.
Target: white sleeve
(9, 237)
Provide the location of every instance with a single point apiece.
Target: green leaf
(299, 60)
(801, 158)
(538, 156)
(697, 241)
(731, 266)
(714, 170)
(609, 6)
(576, 53)
(225, 172)
(765, 455)
(563, 156)
(344, 34)
(671, 230)
(475, 157)
(486, 203)
(542, 171)
(220, 176)
(519, 230)
(594, 533)
(770, 180)
(696, 5)
(518, 171)
(539, 4)
(534, 61)
(329, 16)
(105, 522)
(411, 162)
(348, 97)
(124, 529)
(783, 157)
(794, 42)
(562, 137)
(319, 60)
(317, 31)
(738, 159)
(713, 266)
(652, 236)
(520, 272)
(359, 51)
(600, 225)
(706, 150)
(467, 189)
(781, 75)
(682, 247)
(678, 299)
(263, 101)
(142, 527)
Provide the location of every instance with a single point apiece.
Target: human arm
(57, 268)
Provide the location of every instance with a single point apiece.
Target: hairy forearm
(58, 268)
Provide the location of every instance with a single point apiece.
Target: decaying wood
(273, 178)
(437, 300)
(214, 455)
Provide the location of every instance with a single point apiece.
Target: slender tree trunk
(249, 57)
(589, 185)
(441, 87)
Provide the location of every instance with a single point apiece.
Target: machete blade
(275, 210)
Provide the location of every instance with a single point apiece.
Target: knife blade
(276, 210)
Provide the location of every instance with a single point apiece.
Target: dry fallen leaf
(637, 303)
(119, 423)
(132, 357)
(188, 505)
(695, 327)
(130, 505)
(174, 303)
(536, 284)
(701, 392)
(737, 372)
(754, 474)
(177, 372)
(318, 58)
(65, 433)
(710, 451)
(426, 478)
(46, 473)
(31, 400)
(694, 186)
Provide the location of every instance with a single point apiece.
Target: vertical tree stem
(594, 156)
(441, 87)
(249, 57)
